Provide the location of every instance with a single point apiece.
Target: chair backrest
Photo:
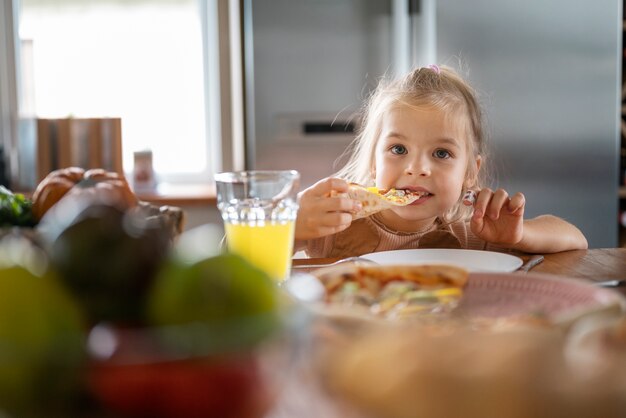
(79, 142)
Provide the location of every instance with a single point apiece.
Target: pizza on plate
(394, 292)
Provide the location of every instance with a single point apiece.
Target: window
(148, 62)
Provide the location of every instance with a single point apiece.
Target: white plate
(472, 260)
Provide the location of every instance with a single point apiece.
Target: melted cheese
(394, 195)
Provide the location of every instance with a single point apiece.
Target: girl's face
(419, 149)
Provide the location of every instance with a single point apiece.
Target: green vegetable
(15, 209)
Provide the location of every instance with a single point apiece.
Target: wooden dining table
(304, 397)
(600, 264)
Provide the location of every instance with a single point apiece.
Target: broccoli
(15, 209)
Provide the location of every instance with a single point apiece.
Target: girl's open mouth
(423, 196)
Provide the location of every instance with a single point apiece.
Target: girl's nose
(418, 167)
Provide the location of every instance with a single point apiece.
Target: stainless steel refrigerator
(548, 73)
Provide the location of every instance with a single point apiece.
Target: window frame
(222, 87)
(9, 110)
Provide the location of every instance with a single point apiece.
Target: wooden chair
(80, 142)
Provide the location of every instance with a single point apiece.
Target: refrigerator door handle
(414, 7)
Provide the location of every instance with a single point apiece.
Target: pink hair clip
(435, 68)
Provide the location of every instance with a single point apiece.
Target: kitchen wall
(200, 215)
(312, 61)
(547, 74)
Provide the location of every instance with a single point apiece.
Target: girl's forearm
(549, 234)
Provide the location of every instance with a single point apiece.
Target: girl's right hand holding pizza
(321, 214)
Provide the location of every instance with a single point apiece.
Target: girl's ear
(473, 178)
(479, 161)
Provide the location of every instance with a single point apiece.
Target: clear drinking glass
(259, 210)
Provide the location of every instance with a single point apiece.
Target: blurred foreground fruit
(106, 256)
(216, 291)
(146, 378)
(212, 319)
(41, 335)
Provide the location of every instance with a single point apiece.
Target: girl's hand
(497, 218)
(320, 214)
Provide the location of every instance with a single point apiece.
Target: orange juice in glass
(259, 210)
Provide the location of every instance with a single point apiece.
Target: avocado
(107, 257)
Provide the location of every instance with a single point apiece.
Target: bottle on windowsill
(144, 179)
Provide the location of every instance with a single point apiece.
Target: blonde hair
(434, 87)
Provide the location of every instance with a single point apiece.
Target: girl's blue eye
(442, 153)
(398, 149)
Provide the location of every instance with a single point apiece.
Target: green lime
(235, 302)
(41, 342)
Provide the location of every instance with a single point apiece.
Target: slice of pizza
(374, 199)
(395, 292)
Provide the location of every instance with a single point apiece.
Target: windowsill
(171, 194)
(180, 195)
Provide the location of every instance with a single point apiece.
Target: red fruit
(228, 386)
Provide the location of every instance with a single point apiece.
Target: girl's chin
(401, 219)
(409, 213)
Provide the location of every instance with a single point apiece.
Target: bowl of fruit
(103, 313)
(217, 341)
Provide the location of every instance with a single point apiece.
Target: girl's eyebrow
(450, 141)
(393, 134)
(444, 140)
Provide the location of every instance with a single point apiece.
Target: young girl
(424, 133)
